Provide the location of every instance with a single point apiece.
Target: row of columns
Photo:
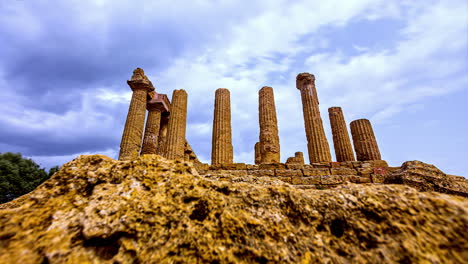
(365, 144)
(267, 149)
(165, 130)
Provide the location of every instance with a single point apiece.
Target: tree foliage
(19, 175)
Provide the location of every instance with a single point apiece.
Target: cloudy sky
(403, 64)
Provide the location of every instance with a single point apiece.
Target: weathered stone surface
(153, 122)
(269, 145)
(377, 178)
(221, 147)
(133, 131)
(315, 171)
(270, 166)
(321, 165)
(229, 166)
(261, 173)
(297, 159)
(258, 154)
(294, 166)
(174, 147)
(341, 141)
(332, 179)
(189, 154)
(364, 140)
(317, 144)
(290, 173)
(427, 177)
(163, 133)
(252, 166)
(360, 179)
(306, 180)
(152, 210)
(343, 171)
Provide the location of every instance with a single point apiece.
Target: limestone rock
(426, 177)
(189, 154)
(152, 210)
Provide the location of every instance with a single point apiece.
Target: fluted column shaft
(175, 139)
(134, 125)
(150, 140)
(221, 147)
(269, 139)
(162, 133)
(364, 140)
(341, 141)
(317, 144)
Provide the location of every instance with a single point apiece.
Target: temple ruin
(165, 135)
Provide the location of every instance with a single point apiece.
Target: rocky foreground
(151, 210)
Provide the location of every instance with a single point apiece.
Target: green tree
(19, 175)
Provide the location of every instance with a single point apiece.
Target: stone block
(343, 171)
(288, 173)
(286, 179)
(378, 163)
(332, 179)
(335, 164)
(359, 179)
(272, 166)
(380, 171)
(251, 166)
(306, 180)
(356, 164)
(377, 178)
(346, 164)
(234, 166)
(294, 166)
(316, 171)
(321, 165)
(365, 171)
(261, 173)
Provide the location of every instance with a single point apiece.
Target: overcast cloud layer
(401, 64)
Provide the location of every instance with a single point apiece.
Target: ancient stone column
(175, 139)
(258, 155)
(364, 140)
(133, 131)
(341, 141)
(269, 139)
(221, 145)
(317, 144)
(163, 133)
(158, 105)
(150, 140)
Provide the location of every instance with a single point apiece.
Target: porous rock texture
(151, 210)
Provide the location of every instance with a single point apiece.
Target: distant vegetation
(20, 175)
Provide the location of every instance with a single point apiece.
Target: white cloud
(267, 44)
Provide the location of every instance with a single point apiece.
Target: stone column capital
(139, 81)
(304, 79)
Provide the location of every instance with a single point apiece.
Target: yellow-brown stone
(269, 144)
(341, 141)
(364, 140)
(221, 146)
(317, 144)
